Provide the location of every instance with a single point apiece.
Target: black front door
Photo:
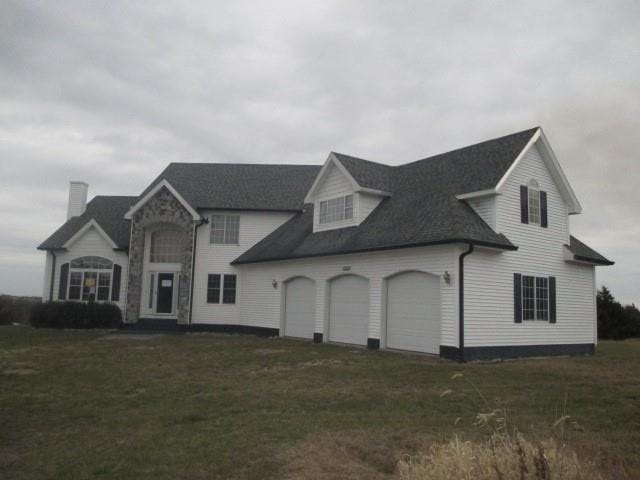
(164, 300)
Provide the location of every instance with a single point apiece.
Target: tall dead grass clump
(504, 454)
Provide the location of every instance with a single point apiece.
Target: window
(229, 292)
(534, 202)
(336, 209)
(75, 284)
(535, 298)
(213, 288)
(225, 229)
(91, 263)
(104, 284)
(89, 286)
(166, 246)
(221, 284)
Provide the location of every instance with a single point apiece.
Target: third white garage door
(413, 312)
(349, 310)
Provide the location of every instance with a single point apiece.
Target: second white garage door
(299, 308)
(413, 312)
(349, 310)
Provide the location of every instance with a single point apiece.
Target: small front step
(156, 325)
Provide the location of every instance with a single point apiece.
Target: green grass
(83, 404)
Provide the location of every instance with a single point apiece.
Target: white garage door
(300, 308)
(413, 312)
(349, 310)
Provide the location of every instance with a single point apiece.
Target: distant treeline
(16, 309)
(616, 321)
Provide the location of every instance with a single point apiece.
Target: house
(467, 255)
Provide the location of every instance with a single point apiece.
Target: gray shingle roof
(422, 210)
(583, 252)
(240, 186)
(368, 174)
(108, 211)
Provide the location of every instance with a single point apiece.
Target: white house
(467, 254)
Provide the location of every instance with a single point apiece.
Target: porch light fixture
(274, 283)
(447, 277)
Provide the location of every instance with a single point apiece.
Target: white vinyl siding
(91, 244)
(214, 258)
(489, 303)
(261, 304)
(366, 203)
(485, 208)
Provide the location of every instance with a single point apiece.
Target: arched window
(166, 246)
(90, 279)
(93, 263)
(534, 202)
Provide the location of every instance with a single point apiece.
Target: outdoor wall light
(274, 283)
(447, 277)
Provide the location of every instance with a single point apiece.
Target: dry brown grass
(501, 457)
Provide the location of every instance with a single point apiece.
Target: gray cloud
(112, 92)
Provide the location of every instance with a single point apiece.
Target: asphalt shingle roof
(108, 211)
(240, 186)
(585, 253)
(422, 210)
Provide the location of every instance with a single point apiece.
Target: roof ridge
(306, 165)
(502, 137)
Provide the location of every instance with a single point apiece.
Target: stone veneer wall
(161, 209)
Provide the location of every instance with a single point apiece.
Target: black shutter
(64, 279)
(517, 297)
(552, 299)
(524, 204)
(543, 209)
(115, 285)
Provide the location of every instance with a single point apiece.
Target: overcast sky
(110, 92)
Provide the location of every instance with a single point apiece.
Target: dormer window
(336, 209)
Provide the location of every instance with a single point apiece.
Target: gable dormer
(338, 199)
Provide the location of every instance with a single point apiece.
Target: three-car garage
(410, 318)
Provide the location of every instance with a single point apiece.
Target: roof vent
(77, 199)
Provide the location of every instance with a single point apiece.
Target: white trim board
(164, 183)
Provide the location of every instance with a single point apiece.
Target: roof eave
(480, 243)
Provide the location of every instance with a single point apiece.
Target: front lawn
(90, 404)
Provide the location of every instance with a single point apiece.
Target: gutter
(480, 243)
(461, 301)
(197, 225)
(53, 275)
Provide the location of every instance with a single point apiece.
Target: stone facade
(162, 210)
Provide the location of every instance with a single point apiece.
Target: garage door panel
(349, 310)
(300, 308)
(413, 312)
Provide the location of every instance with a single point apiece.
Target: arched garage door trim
(286, 299)
(425, 303)
(353, 306)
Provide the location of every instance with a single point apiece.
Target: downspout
(193, 263)
(53, 275)
(461, 301)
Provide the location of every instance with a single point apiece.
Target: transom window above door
(336, 209)
(225, 229)
(166, 246)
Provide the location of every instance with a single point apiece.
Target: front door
(164, 298)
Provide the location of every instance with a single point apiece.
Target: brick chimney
(77, 199)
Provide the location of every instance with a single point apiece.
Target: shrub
(75, 315)
(16, 309)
